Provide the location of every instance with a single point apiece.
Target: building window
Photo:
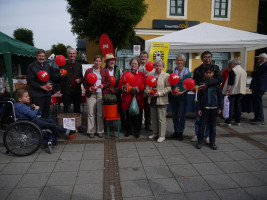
(221, 9)
(177, 9)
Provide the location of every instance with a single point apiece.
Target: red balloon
(112, 81)
(149, 66)
(151, 81)
(43, 76)
(174, 79)
(60, 60)
(188, 83)
(129, 78)
(91, 78)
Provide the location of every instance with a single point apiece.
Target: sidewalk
(129, 168)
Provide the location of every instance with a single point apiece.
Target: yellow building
(164, 16)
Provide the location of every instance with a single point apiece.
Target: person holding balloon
(39, 76)
(178, 97)
(70, 78)
(96, 83)
(157, 89)
(132, 84)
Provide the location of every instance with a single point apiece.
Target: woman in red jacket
(95, 120)
(134, 123)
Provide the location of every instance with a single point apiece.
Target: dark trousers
(178, 104)
(133, 122)
(235, 108)
(45, 123)
(209, 118)
(43, 103)
(147, 113)
(257, 104)
(75, 98)
(120, 111)
(197, 125)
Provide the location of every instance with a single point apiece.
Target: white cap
(262, 55)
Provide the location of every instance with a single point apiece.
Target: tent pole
(8, 64)
(244, 58)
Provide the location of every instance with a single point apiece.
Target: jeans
(257, 104)
(197, 124)
(74, 97)
(178, 104)
(235, 107)
(208, 119)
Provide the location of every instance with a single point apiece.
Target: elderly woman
(178, 100)
(133, 122)
(158, 100)
(95, 121)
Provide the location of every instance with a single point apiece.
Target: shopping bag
(134, 109)
(226, 107)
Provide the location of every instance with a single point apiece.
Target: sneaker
(91, 135)
(207, 140)
(199, 145)
(225, 124)
(161, 139)
(100, 135)
(194, 139)
(237, 124)
(213, 146)
(154, 135)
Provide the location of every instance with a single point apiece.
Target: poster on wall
(85, 67)
(159, 50)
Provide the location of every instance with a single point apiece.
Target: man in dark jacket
(259, 87)
(40, 94)
(198, 76)
(71, 83)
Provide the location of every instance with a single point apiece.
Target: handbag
(226, 106)
(134, 109)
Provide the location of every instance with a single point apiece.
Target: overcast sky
(47, 19)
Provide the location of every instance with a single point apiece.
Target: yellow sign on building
(159, 50)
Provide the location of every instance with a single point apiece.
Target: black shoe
(174, 135)
(137, 134)
(213, 146)
(199, 145)
(180, 137)
(258, 123)
(127, 134)
(252, 120)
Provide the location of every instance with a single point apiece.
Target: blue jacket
(25, 112)
(211, 97)
(259, 78)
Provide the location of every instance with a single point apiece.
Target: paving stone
(203, 195)
(25, 159)
(6, 158)
(151, 161)
(183, 170)
(88, 191)
(71, 155)
(261, 175)
(25, 193)
(257, 153)
(57, 192)
(33, 180)
(158, 172)
(193, 184)
(218, 156)
(138, 188)
(207, 168)
(126, 153)
(41, 167)
(246, 146)
(89, 177)
(189, 149)
(128, 174)
(9, 181)
(2, 166)
(231, 167)
(166, 143)
(253, 165)
(239, 155)
(148, 144)
(221, 140)
(125, 145)
(164, 186)
(197, 158)
(233, 194)
(234, 140)
(166, 151)
(246, 179)
(58, 148)
(91, 165)
(184, 143)
(93, 155)
(220, 181)
(258, 193)
(177, 159)
(148, 151)
(141, 198)
(179, 196)
(4, 193)
(48, 157)
(228, 147)
(62, 178)
(67, 166)
(74, 147)
(129, 162)
(16, 168)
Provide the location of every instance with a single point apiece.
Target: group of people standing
(207, 76)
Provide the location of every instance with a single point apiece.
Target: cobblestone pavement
(129, 168)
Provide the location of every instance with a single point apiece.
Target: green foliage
(109, 99)
(117, 18)
(59, 49)
(24, 35)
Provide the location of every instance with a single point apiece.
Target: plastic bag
(134, 109)
(226, 107)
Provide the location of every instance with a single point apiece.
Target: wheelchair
(22, 137)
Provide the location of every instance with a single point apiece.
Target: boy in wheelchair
(25, 112)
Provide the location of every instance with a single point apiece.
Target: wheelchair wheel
(22, 138)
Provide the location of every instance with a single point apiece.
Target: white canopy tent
(214, 38)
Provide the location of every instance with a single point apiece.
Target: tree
(59, 49)
(117, 18)
(24, 35)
